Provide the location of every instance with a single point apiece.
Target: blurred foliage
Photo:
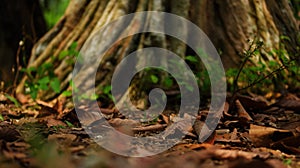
(53, 10)
(296, 8)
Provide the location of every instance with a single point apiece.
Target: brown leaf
(116, 122)
(264, 136)
(46, 111)
(232, 154)
(155, 127)
(200, 128)
(289, 102)
(54, 122)
(43, 103)
(253, 103)
(165, 118)
(59, 105)
(289, 145)
(23, 99)
(242, 113)
(226, 109)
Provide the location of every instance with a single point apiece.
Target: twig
(21, 43)
(248, 53)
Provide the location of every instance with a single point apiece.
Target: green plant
(58, 127)
(70, 54)
(287, 161)
(262, 73)
(41, 78)
(69, 124)
(106, 93)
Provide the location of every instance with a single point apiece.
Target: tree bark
(228, 23)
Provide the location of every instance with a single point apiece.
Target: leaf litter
(252, 132)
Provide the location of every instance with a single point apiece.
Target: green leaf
(94, 97)
(44, 80)
(154, 79)
(106, 89)
(55, 85)
(73, 46)
(14, 100)
(1, 117)
(67, 93)
(63, 54)
(43, 83)
(69, 124)
(33, 92)
(168, 82)
(191, 59)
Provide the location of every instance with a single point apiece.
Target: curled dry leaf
(289, 102)
(242, 113)
(253, 103)
(226, 109)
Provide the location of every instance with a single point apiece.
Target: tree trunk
(228, 23)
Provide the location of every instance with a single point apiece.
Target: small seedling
(69, 124)
(287, 162)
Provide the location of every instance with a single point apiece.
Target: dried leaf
(253, 103)
(23, 99)
(289, 102)
(202, 131)
(226, 109)
(54, 122)
(242, 113)
(156, 127)
(264, 136)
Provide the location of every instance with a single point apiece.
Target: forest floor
(262, 132)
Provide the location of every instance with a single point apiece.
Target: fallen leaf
(264, 136)
(289, 102)
(242, 113)
(23, 99)
(253, 103)
(156, 127)
(54, 122)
